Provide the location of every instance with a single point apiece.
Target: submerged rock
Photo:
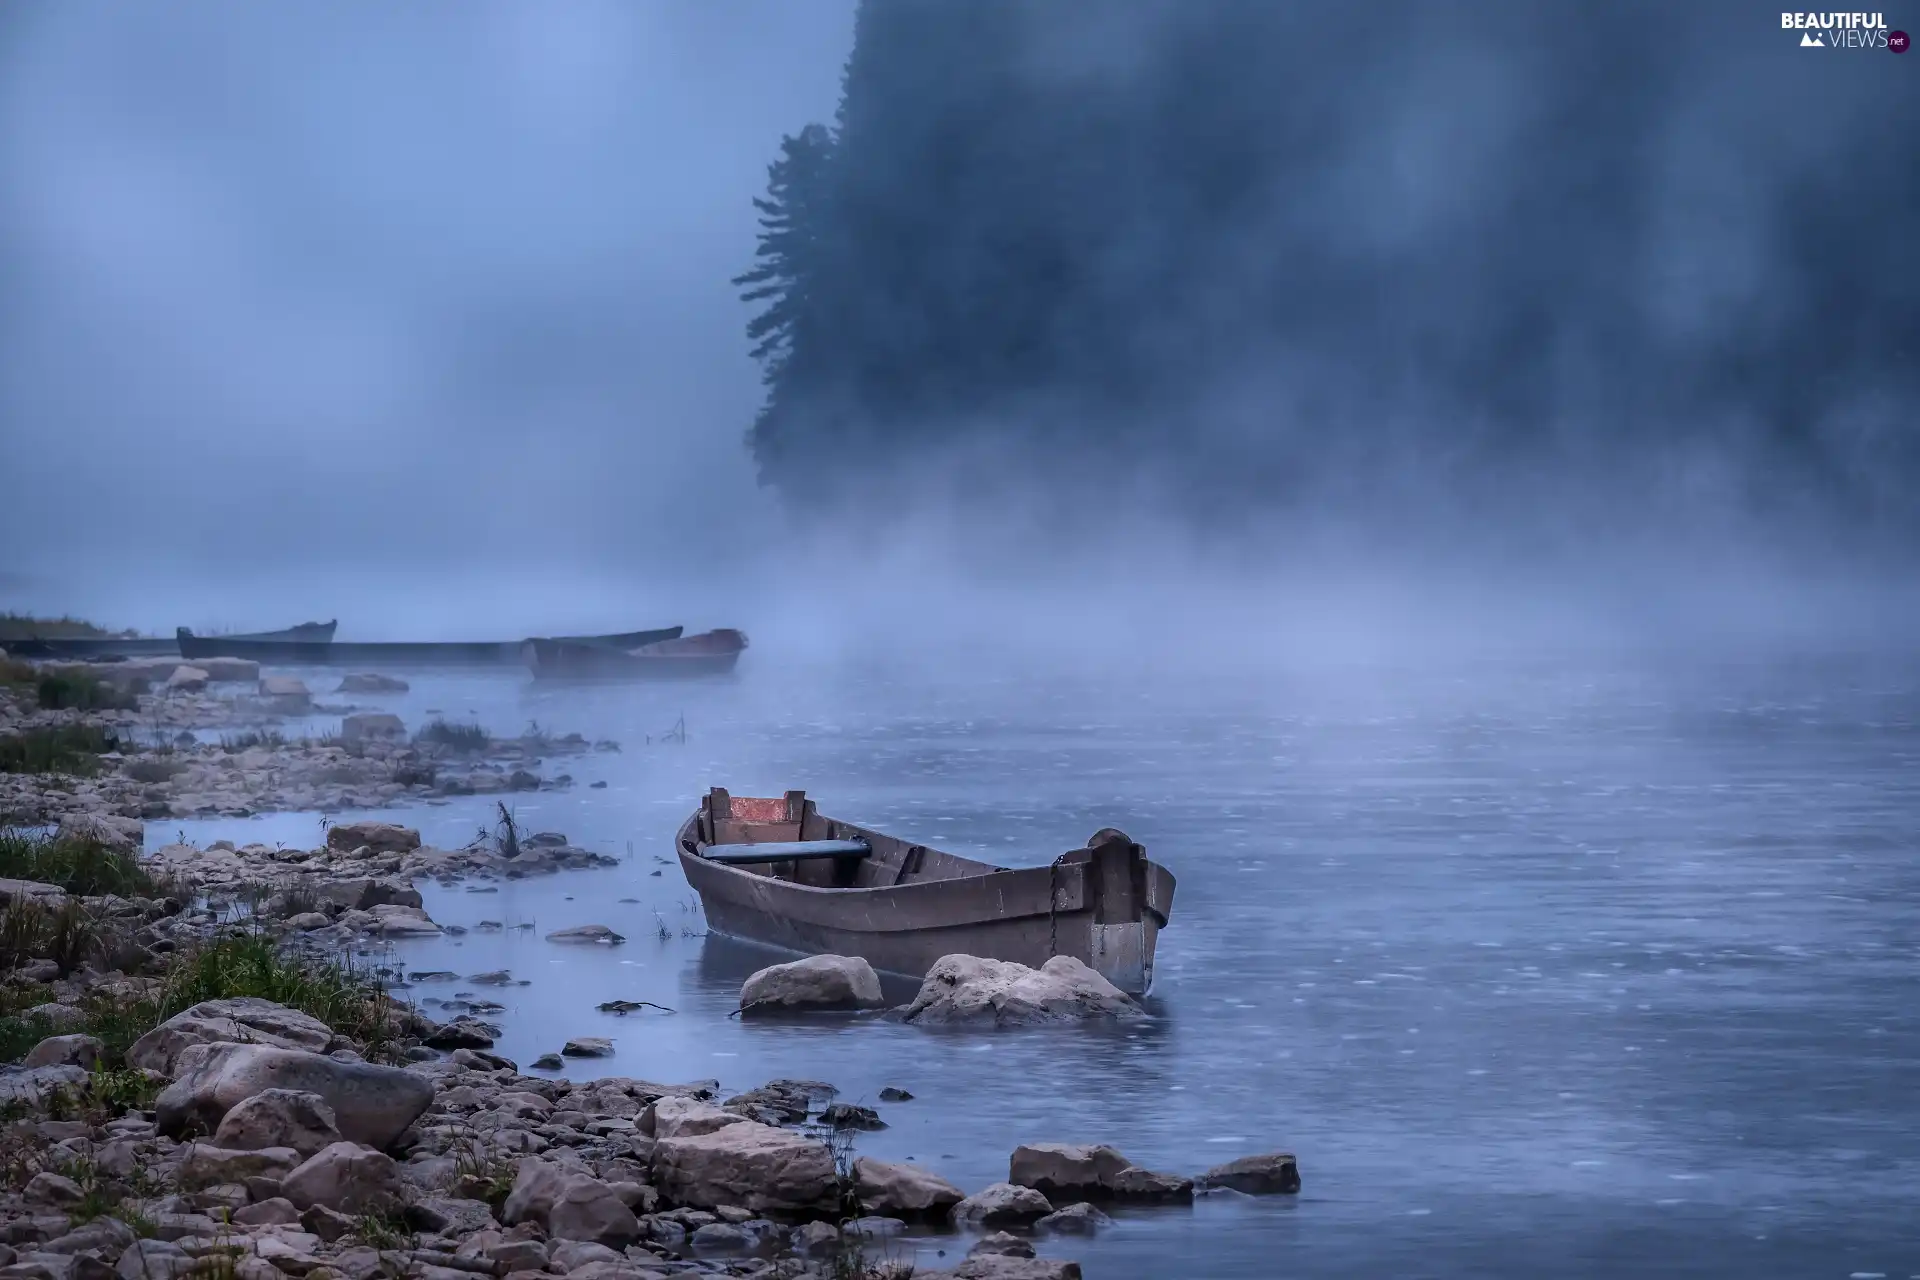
(970, 990)
(585, 933)
(817, 982)
(381, 837)
(371, 682)
(1275, 1173)
(1059, 1171)
(588, 1047)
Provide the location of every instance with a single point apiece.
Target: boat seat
(787, 851)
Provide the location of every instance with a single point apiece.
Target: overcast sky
(438, 285)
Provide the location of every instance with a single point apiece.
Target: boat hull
(711, 653)
(1106, 911)
(503, 653)
(145, 647)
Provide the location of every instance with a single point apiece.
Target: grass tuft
(75, 691)
(459, 737)
(68, 748)
(23, 626)
(78, 866)
(234, 743)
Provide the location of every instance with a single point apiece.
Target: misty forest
(958, 640)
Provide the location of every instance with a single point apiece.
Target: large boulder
(817, 982)
(569, 1205)
(240, 1020)
(1002, 1205)
(381, 837)
(108, 829)
(1275, 1173)
(362, 893)
(1065, 1172)
(371, 1104)
(286, 694)
(372, 726)
(346, 1177)
(902, 1190)
(279, 1118)
(973, 991)
(750, 1165)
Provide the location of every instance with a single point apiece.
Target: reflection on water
(1571, 970)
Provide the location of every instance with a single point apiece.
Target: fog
(421, 318)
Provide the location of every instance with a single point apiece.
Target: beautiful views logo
(1844, 31)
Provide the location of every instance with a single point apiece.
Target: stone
(902, 1190)
(229, 670)
(65, 1051)
(549, 1062)
(1002, 1205)
(449, 1215)
(570, 1205)
(187, 680)
(211, 1166)
(370, 682)
(402, 922)
(814, 1237)
(381, 837)
(817, 982)
(110, 830)
(62, 1016)
(1060, 1170)
(372, 726)
(347, 1177)
(371, 1104)
(242, 1020)
(873, 1228)
(103, 1235)
(463, 1033)
(998, 1266)
(307, 921)
(586, 933)
(1275, 1173)
(718, 1237)
(969, 990)
(683, 1117)
(755, 1166)
(279, 1118)
(1002, 1244)
(286, 694)
(274, 1211)
(588, 1047)
(50, 1190)
(849, 1115)
(891, 1094)
(328, 1224)
(363, 893)
(1080, 1219)
(153, 1260)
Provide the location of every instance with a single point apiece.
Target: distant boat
(779, 873)
(152, 647)
(331, 653)
(710, 653)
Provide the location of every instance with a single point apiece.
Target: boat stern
(1131, 897)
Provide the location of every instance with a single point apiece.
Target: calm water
(1575, 969)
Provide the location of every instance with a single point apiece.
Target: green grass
(234, 743)
(460, 737)
(78, 866)
(68, 748)
(75, 691)
(22, 626)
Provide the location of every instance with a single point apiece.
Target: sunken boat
(154, 646)
(779, 873)
(710, 653)
(401, 653)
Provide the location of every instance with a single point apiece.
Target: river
(1570, 967)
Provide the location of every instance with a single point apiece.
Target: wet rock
(371, 1104)
(585, 933)
(498, 978)
(588, 1047)
(80, 1051)
(463, 1033)
(1063, 1171)
(848, 1115)
(817, 982)
(1001, 1244)
(969, 990)
(891, 1094)
(370, 682)
(814, 1237)
(549, 1062)
(903, 1190)
(279, 1118)
(1080, 1219)
(569, 1205)
(287, 695)
(1002, 1205)
(754, 1166)
(229, 670)
(381, 837)
(995, 1266)
(402, 922)
(243, 1020)
(1276, 1173)
(347, 1177)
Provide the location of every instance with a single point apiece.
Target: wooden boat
(150, 647)
(331, 653)
(777, 872)
(711, 653)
